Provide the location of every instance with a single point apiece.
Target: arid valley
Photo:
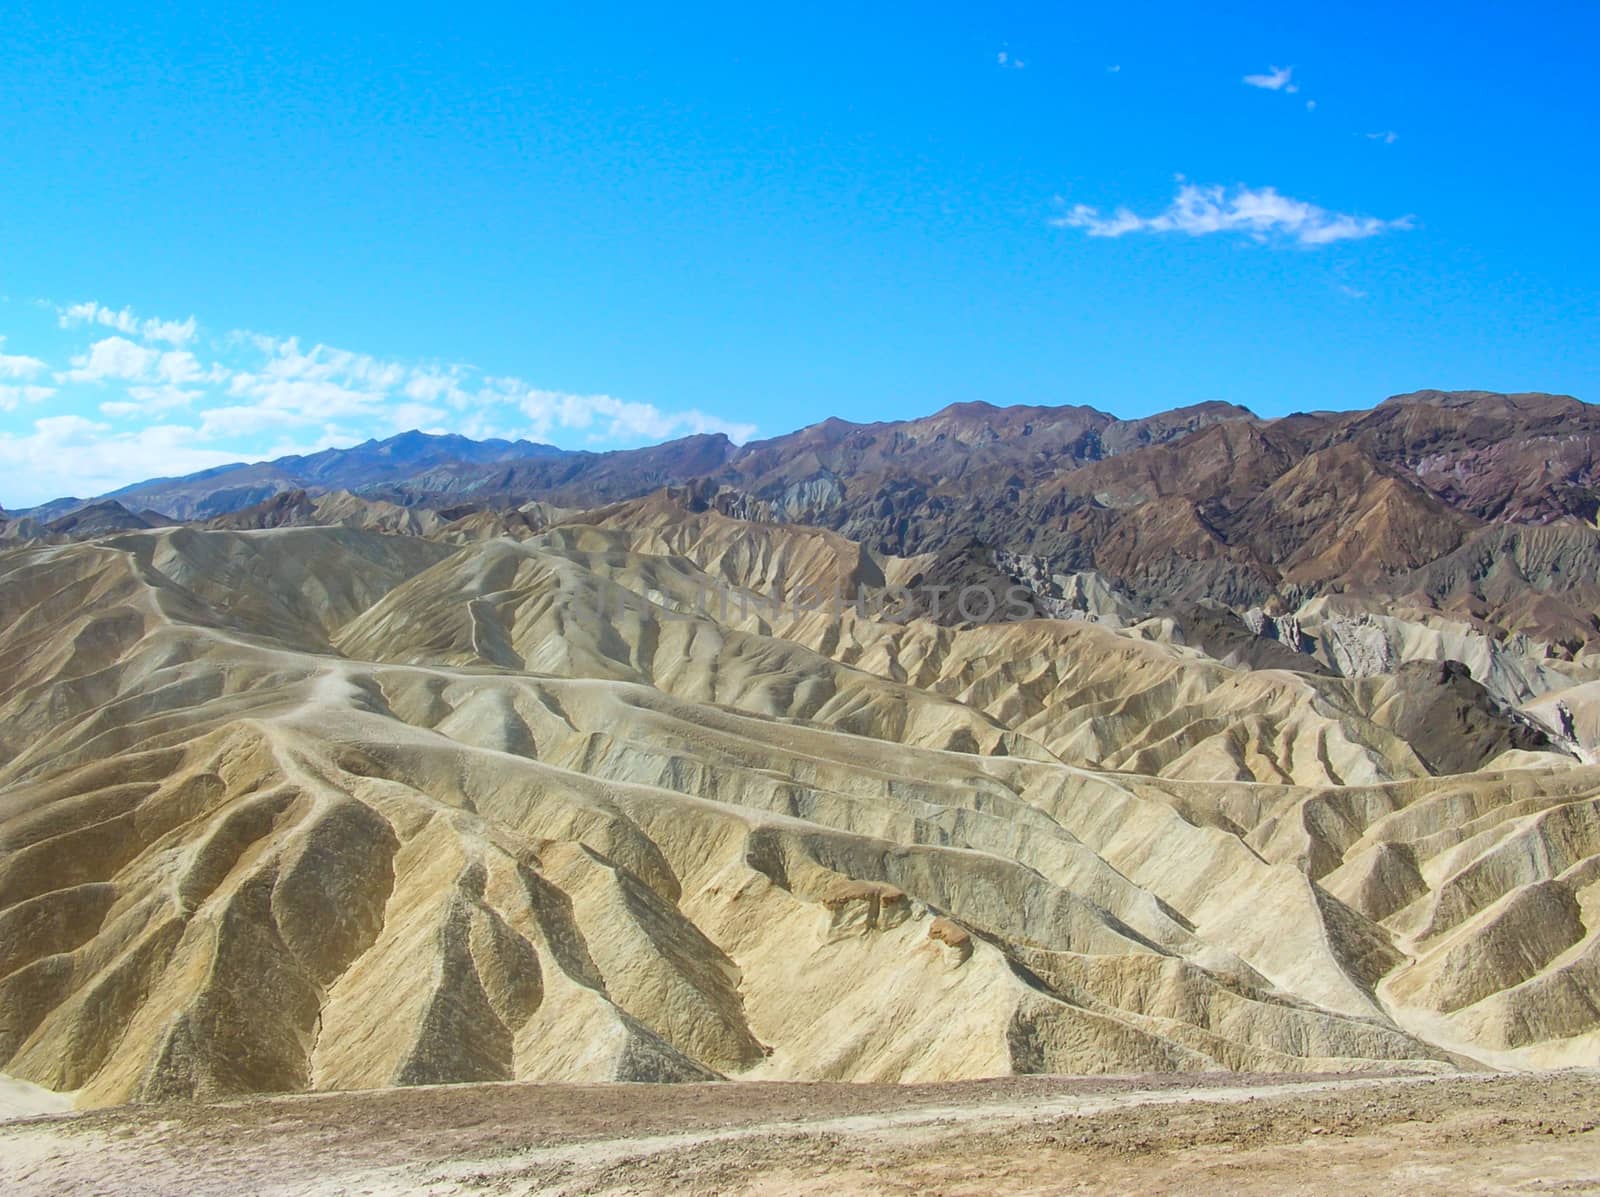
(1253, 752)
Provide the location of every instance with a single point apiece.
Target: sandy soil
(19, 1099)
(1239, 1134)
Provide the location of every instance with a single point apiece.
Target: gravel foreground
(1524, 1133)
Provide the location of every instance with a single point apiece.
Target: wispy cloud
(305, 386)
(73, 453)
(1008, 60)
(1387, 136)
(17, 365)
(1262, 214)
(1276, 79)
(172, 332)
(608, 418)
(165, 396)
(13, 397)
(117, 359)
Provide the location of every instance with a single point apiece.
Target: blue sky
(229, 234)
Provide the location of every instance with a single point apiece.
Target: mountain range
(435, 760)
(1442, 500)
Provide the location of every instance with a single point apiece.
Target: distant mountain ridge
(419, 468)
(1479, 502)
(228, 488)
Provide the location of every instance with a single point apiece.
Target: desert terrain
(1249, 1134)
(1279, 766)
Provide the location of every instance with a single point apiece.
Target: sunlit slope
(318, 808)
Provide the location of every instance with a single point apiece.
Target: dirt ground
(1527, 1133)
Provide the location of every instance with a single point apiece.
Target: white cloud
(64, 428)
(179, 367)
(17, 365)
(161, 372)
(176, 333)
(146, 399)
(173, 332)
(1114, 68)
(90, 312)
(1005, 59)
(112, 358)
(101, 459)
(1276, 79)
(608, 418)
(436, 388)
(1082, 216)
(305, 387)
(1311, 105)
(139, 393)
(298, 387)
(1261, 214)
(13, 397)
(321, 363)
(238, 421)
(306, 400)
(1388, 137)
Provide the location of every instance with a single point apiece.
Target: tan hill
(328, 807)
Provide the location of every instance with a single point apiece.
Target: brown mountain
(1206, 503)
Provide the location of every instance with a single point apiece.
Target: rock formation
(318, 807)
